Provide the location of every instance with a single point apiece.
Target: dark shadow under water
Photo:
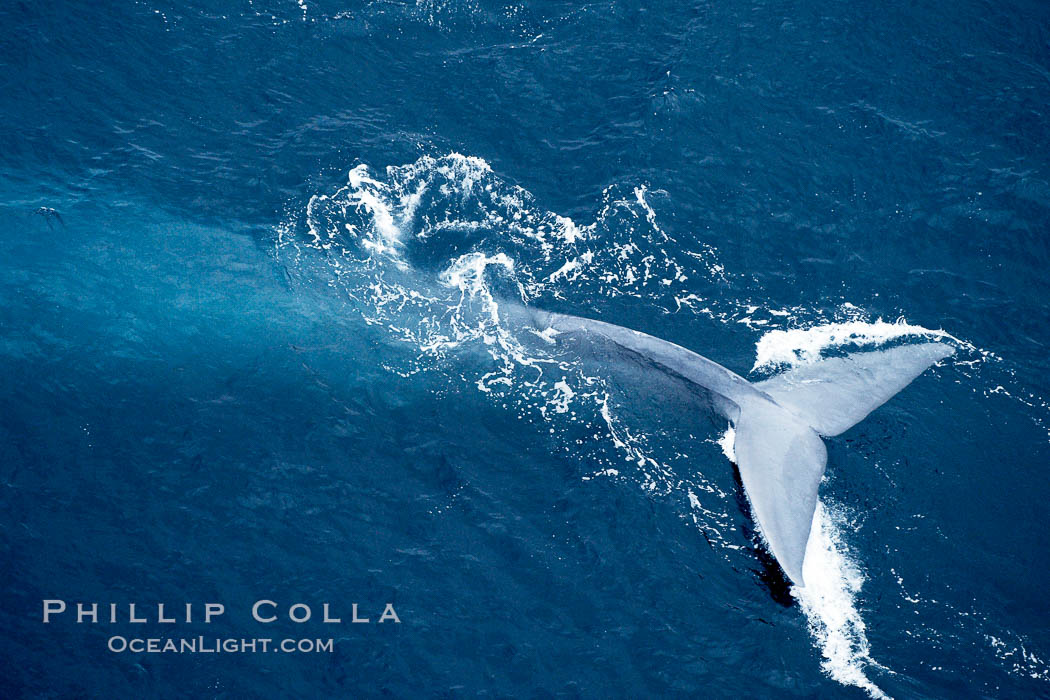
(771, 575)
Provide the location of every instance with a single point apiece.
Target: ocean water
(255, 266)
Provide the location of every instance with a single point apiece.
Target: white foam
(564, 398)
(467, 272)
(804, 345)
(829, 601)
(365, 193)
(728, 444)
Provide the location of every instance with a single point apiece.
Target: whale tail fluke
(778, 449)
(778, 422)
(781, 462)
(834, 394)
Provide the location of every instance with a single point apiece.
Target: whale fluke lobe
(836, 393)
(778, 421)
(781, 462)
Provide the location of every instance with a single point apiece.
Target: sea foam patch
(829, 601)
(795, 346)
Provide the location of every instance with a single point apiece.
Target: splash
(790, 348)
(829, 602)
(428, 249)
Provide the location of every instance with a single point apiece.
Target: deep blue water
(252, 261)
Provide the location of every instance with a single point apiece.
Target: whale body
(779, 421)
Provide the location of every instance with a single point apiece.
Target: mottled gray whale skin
(778, 422)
